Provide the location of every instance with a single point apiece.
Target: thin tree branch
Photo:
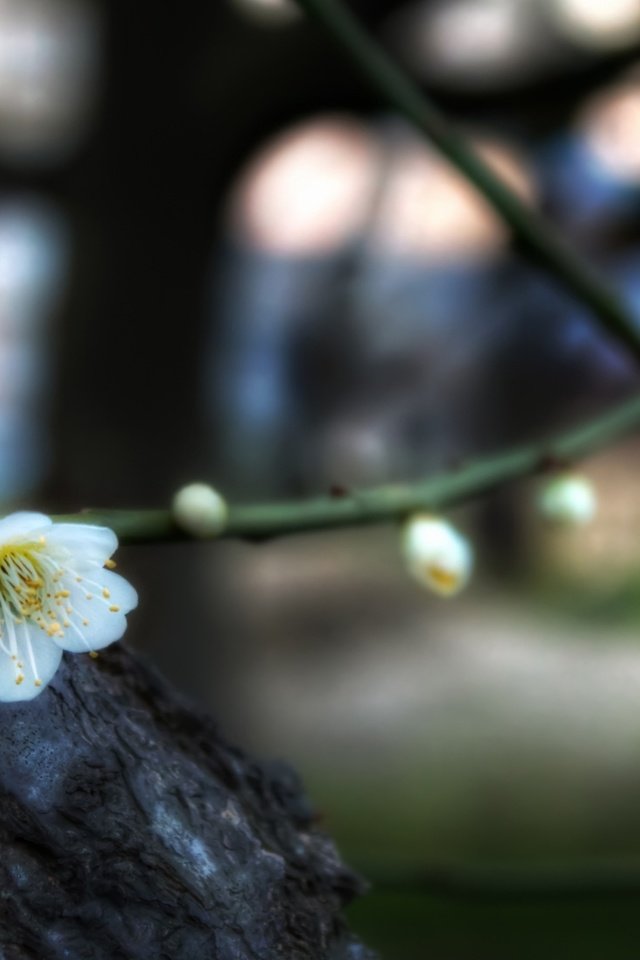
(388, 503)
(531, 232)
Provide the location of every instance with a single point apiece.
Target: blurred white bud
(568, 499)
(436, 554)
(200, 510)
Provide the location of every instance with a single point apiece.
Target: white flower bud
(200, 510)
(569, 499)
(436, 554)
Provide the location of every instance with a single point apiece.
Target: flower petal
(88, 544)
(119, 591)
(36, 661)
(93, 614)
(21, 525)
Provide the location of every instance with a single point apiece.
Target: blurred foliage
(415, 927)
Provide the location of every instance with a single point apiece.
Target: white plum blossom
(58, 592)
(436, 554)
(569, 499)
(200, 510)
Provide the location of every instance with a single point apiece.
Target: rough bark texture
(130, 829)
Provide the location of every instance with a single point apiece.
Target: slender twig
(531, 232)
(388, 503)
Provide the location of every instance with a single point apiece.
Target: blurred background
(221, 259)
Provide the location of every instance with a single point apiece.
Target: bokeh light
(428, 210)
(48, 75)
(309, 190)
(598, 24)
(610, 127)
(469, 43)
(33, 273)
(269, 11)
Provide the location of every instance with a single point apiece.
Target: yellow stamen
(442, 578)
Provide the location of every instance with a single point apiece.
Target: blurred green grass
(411, 926)
(502, 730)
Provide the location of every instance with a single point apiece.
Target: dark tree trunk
(129, 830)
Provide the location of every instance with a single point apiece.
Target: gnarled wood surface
(129, 830)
